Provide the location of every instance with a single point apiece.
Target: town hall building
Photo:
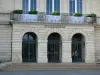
(50, 31)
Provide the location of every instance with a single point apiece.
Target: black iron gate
(77, 51)
(29, 51)
(54, 51)
(29, 47)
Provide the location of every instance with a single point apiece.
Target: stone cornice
(4, 13)
(53, 25)
(38, 23)
(43, 23)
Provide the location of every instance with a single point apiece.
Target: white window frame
(76, 10)
(52, 5)
(29, 5)
(75, 6)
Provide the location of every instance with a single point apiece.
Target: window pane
(57, 5)
(79, 6)
(25, 38)
(25, 6)
(72, 7)
(33, 4)
(49, 6)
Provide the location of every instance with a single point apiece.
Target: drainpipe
(11, 23)
(11, 39)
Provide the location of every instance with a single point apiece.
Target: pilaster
(66, 52)
(42, 51)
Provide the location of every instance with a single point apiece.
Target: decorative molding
(75, 31)
(38, 23)
(57, 30)
(54, 26)
(28, 29)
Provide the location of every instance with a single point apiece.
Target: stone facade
(5, 42)
(19, 29)
(12, 34)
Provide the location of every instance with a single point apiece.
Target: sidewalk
(4, 65)
(52, 67)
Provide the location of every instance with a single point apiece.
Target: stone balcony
(50, 18)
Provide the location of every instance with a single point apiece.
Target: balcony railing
(63, 18)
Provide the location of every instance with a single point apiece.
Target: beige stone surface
(42, 33)
(90, 32)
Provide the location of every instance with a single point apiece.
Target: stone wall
(43, 31)
(97, 43)
(5, 43)
(89, 6)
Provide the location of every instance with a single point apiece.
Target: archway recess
(78, 48)
(54, 48)
(29, 47)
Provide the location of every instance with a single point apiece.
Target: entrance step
(51, 67)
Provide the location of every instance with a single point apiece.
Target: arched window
(75, 6)
(29, 5)
(52, 5)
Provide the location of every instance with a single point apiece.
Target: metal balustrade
(43, 18)
(62, 18)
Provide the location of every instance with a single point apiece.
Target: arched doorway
(54, 48)
(78, 48)
(29, 47)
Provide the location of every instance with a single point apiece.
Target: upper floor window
(75, 6)
(52, 5)
(29, 5)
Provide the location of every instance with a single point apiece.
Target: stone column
(42, 51)
(66, 52)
